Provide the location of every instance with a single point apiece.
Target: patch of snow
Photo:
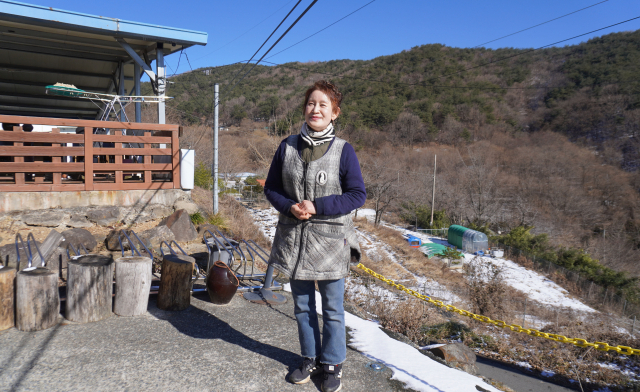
(524, 365)
(429, 347)
(547, 373)
(536, 286)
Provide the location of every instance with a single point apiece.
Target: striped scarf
(314, 138)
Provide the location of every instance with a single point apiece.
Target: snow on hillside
(536, 286)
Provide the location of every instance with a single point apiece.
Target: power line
(540, 24)
(265, 41)
(344, 17)
(272, 46)
(243, 34)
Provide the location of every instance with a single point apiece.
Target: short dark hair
(328, 88)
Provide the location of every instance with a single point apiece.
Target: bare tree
(381, 182)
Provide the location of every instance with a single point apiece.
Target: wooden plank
(42, 188)
(131, 151)
(175, 147)
(128, 186)
(131, 139)
(44, 167)
(19, 177)
(43, 151)
(50, 244)
(131, 166)
(40, 137)
(88, 159)
(87, 123)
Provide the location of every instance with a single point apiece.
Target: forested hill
(589, 92)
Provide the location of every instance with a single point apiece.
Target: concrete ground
(238, 347)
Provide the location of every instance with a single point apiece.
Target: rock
(47, 218)
(78, 236)
(147, 213)
(79, 220)
(99, 238)
(457, 355)
(104, 216)
(186, 205)
(206, 226)
(153, 237)
(180, 224)
(112, 242)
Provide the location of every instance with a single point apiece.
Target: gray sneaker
(332, 376)
(303, 374)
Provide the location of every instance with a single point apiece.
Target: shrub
(197, 218)
(202, 176)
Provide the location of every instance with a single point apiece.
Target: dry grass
(424, 323)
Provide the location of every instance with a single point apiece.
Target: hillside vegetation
(545, 139)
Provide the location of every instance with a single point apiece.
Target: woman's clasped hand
(303, 210)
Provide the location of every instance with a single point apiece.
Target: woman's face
(318, 112)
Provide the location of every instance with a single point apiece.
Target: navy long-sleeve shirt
(353, 191)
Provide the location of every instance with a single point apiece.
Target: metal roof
(40, 46)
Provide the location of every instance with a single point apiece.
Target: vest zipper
(304, 179)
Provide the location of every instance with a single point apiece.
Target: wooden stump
(37, 299)
(133, 283)
(7, 297)
(89, 288)
(175, 282)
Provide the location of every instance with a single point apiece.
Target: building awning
(41, 46)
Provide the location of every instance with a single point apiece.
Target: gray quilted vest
(319, 248)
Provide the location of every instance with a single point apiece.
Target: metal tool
(264, 294)
(132, 246)
(26, 248)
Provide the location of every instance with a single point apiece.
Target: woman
(315, 182)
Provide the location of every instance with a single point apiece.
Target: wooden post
(37, 299)
(133, 283)
(89, 288)
(88, 159)
(147, 160)
(118, 160)
(175, 160)
(18, 176)
(7, 297)
(175, 282)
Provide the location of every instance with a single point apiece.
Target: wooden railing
(106, 156)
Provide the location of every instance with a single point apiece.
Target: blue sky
(237, 28)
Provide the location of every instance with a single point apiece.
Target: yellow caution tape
(517, 328)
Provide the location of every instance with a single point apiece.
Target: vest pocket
(325, 249)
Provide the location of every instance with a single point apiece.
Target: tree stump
(7, 297)
(175, 282)
(89, 288)
(37, 299)
(133, 283)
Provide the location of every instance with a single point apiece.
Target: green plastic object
(456, 232)
(64, 91)
(432, 249)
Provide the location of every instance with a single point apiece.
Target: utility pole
(216, 98)
(433, 195)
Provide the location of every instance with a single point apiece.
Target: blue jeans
(333, 349)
